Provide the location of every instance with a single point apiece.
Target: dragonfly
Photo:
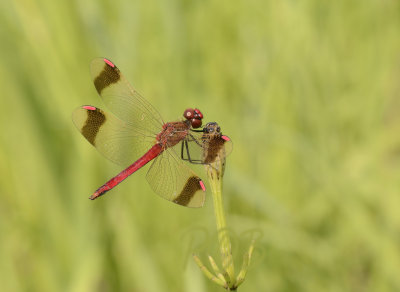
(133, 130)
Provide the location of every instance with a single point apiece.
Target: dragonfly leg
(182, 145)
(195, 140)
(185, 145)
(198, 131)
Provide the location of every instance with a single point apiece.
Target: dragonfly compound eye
(189, 114)
(212, 127)
(196, 123)
(198, 114)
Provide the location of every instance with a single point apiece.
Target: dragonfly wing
(120, 97)
(203, 148)
(117, 140)
(216, 145)
(170, 178)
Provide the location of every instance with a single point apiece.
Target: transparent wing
(170, 178)
(124, 101)
(117, 140)
(203, 148)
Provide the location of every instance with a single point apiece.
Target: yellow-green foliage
(307, 90)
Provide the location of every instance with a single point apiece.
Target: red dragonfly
(135, 131)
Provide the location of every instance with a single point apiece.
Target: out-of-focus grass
(308, 92)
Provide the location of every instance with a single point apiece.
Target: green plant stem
(226, 279)
(208, 274)
(215, 173)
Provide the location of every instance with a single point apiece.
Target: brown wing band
(95, 119)
(214, 147)
(191, 187)
(108, 76)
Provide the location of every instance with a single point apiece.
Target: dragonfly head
(194, 116)
(212, 128)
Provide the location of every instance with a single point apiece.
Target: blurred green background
(307, 90)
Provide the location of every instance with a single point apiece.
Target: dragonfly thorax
(173, 133)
